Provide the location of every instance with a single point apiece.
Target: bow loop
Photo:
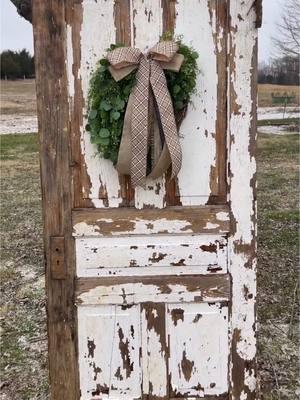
(124, 56)
(164, 51)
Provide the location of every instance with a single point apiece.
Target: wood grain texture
(173, 220)
(135, 290)
(57, 257)
(51, 81)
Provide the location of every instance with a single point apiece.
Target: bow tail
(172, 149)
(140, 125)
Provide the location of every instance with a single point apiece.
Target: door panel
(157, 254)
(109, 346)
(198, 346)
(159, 349)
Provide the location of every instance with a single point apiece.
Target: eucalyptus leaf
(115, 115)
(103, 141)
(93, 114)
(119, 104)
(176, 89)
(104, 133)
(104, 105)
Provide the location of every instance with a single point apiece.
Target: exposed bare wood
(50, 54)
(134, 290)
(213, 219)
(221, 38)
(57, 256)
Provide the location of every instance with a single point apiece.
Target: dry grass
(18, 97)
(265, 94)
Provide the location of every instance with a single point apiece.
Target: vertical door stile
(147, 22)
(242, 240)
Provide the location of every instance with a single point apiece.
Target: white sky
(16, 32)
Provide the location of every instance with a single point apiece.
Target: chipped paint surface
(94, 42)
(242, 260)
(162, 255)
(190, 376)
(135, 290)
(113, 366)
(172, 221)
(199, 150)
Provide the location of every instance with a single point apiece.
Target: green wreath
(107, 99)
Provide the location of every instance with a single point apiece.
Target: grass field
(19, 96)
(265, 94)
(24, 360)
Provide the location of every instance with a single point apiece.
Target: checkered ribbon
(150, 88)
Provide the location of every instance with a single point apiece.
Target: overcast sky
(16, 32)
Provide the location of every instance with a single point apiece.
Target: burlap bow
(149, 121)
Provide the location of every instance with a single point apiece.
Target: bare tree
(287, 40)
(24, 8)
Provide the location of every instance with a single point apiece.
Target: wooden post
(53, 116)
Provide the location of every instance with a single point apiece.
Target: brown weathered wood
(57, 257)
(155, 321)
(169, 15)
(123, 35)
(208, 219)
(259, 13)
(51, 81)
(221, 123)
(211, 286)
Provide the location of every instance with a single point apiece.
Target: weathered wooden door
(151, 292)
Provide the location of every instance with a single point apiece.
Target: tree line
(17, 64)
(280, 71)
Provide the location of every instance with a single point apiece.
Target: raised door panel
(157, 349)
(151, 255)
(198, 347)
(109, 352)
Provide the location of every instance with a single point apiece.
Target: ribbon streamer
(149, 117)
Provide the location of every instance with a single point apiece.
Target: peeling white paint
(222, 216)
(209, 225)
(154, 255)
(94, 42)
(104, 332)
(136, 293)
(242, 163)
(199, 148)
(69, 62)
(203, 343)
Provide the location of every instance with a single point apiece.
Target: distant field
(18, 97)
(265, 94)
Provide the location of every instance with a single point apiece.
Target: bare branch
(287, 40)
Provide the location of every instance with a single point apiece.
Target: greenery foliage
(17, 64)
(108, 99)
